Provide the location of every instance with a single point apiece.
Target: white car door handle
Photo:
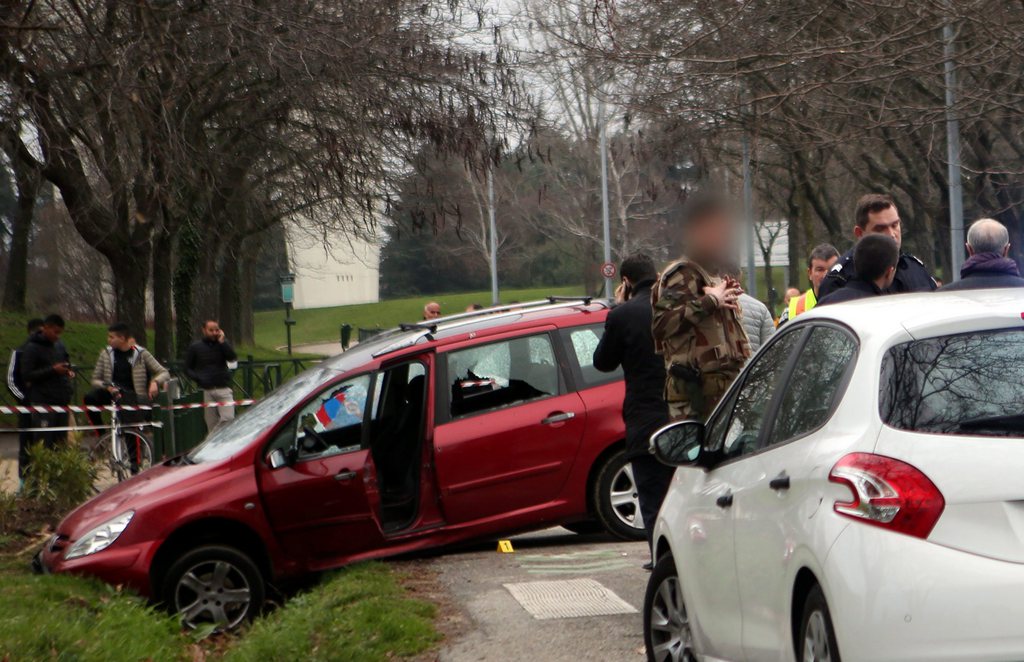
(560, 417)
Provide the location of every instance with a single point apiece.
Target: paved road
(498, 627)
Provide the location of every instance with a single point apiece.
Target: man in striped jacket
(124, 370)
(20, 392)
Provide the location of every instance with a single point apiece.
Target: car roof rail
(499, 312)
(428, 328)
(505, 307)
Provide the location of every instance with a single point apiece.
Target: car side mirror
(679, 444)
(277, 459)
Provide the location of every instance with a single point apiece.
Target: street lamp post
(288, 297)
(748, 217)
(492, 226)
(956, 194)
(605, 220)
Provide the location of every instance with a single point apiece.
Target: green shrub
(61, 477)
(8, 509)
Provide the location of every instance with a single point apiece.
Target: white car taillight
(888, 493)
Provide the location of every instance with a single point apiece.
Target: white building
(346, 272)
(771, 233)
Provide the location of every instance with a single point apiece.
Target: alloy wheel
(671, 636)
(816, 646)
(624, 499)
(215, 592)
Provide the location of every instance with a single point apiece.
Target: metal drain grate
(571, 598)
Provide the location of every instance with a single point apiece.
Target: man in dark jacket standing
(20, 393)
(46, 372)
(988, 264)
(877, 257)
(628, 342)
(206, 362)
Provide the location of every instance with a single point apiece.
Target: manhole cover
(570, 598)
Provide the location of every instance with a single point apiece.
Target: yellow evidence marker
(505, 546)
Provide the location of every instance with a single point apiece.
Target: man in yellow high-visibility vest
(820, 261)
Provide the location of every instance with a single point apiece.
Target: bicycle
(125, 450)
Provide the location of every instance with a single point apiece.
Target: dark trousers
(101, 397)
(48, 439)
(652, 482)
(24, 439)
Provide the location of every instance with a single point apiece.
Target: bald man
(432, 311)
(988, 265)
(790, 293)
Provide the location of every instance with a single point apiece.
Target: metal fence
(183, 429)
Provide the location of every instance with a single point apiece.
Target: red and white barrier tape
(81, 409)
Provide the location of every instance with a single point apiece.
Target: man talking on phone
(627, 342)
(46, 372)
(206, 363)
(696, 310)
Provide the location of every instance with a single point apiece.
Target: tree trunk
(210, 272)
(130, 279)
(247, 286)
(188, 253)
(163, 317)
(16, 283)
(229, 293)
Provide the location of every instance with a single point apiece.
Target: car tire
(214, 585)
(668, 631)
(615, 501)
(817, 641)
(585, 528)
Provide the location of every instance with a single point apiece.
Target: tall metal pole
(748, 217)
(956, 195)
(608, 286)
(494, 234)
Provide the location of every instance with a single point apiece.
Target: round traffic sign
(608, 270)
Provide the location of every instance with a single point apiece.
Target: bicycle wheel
(134, 455)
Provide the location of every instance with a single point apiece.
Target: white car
(859, 492)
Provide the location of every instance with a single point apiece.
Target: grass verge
(359, 614)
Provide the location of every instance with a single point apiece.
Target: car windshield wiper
(1003, 422)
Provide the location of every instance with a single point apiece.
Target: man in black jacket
(877, 257)
(628, 342)
(989, 264)
(206, 362)
(877, 214)
(20, 393)
(46, 372)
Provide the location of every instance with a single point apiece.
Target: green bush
(61, 477)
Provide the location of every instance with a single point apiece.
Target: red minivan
(469, 426)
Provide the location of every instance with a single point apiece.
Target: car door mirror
(277, 459)
(679, 444)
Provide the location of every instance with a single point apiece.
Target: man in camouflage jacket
(696, 323)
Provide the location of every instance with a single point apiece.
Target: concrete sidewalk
(499, 626)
